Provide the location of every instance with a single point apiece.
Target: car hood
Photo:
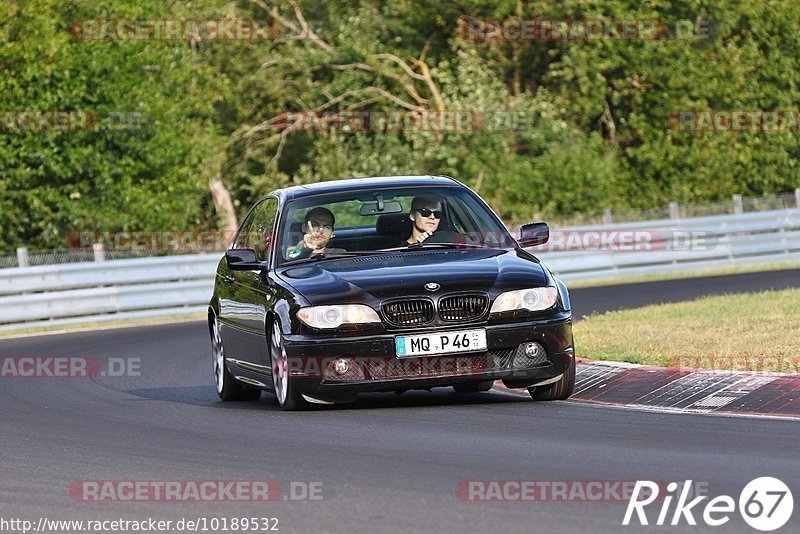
(371, 279)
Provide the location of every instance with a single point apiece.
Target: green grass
(751, 331)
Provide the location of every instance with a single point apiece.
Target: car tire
(227, 387)
(474, 387)
(289, 399)
(560, 390)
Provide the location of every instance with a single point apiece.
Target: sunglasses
(425, 212)
(319, 226)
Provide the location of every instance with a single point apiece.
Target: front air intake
(462, 308)
(411, 312)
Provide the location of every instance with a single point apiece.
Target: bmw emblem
(432, 286)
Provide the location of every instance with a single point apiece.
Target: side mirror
(242, 259)
(533, 234)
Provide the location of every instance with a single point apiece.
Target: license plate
(443, 343)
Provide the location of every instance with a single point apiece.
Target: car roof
(353, 184)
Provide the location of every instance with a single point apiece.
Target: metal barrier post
(737, 204)
(674, 212)
(22, 257)
(99, 252)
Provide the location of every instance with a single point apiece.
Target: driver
(426, 214)
(317, 232)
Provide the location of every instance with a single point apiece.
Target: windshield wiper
(415, 246)
(333, 256)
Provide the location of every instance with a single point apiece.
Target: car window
(257, 230)
(243, 236)
(463, 220)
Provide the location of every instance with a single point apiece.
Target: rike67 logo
(765, 504)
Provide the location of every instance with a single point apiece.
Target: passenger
(426, 214)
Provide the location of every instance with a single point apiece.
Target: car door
(248, 295)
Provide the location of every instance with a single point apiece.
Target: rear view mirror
(242, 259)
(533, 234)
(381, 207)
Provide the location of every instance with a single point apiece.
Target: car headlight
(335, 316)
(535, 299)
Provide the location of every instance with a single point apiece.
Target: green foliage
(149, 173)
(595, 135)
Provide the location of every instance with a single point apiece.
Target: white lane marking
(717, 390)
(680, 411)
(596, 375)
(652, 409)
(733, 392)
(713, 401)
(684, 388)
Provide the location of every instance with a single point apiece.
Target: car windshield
(368, 222)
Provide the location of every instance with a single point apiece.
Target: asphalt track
(387, 464)
(588, 300)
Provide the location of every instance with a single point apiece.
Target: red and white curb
(687, 390)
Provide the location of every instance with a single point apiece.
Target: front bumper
(374, 366)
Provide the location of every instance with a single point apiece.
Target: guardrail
(89, 292)
(652, 247)
(65, 294)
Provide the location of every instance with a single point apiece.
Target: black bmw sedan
(385, 284)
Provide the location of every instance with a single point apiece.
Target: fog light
(343, 369)
(341, 366)
(530, 353)
(533, 349)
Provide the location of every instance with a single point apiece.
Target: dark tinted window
(463, 220)
(257, 230)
